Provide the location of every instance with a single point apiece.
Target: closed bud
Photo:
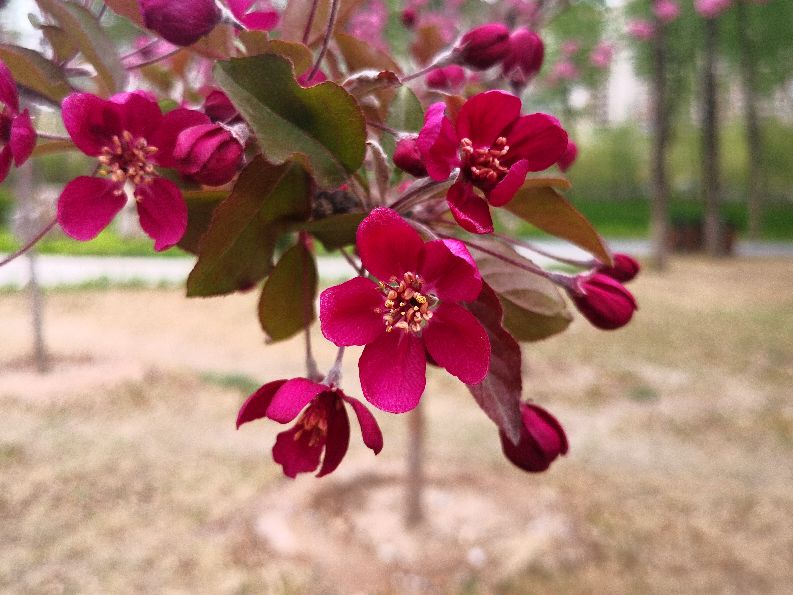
(407, 157)
(208, 153)
(218, 107)
(181, 22)
(450, 78)
(625, 268)
(524, 58)
(482, 47)
(568, 157)
(603, 301)
(542, 439)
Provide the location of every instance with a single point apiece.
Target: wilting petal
(447, 275)
(87, 205)
(162, 212)
(438, 143)
(23, 138)
(388, 245)
(347, 312)
(8, 89)
(255, 406)
(338, 439)
(538, 138)
(91, 122)
(292, 397)
(296, 454)
(370, 430)
(486, 116)
(470, 211)
(393, 370)
(506, 188)
(5, 161)
(140, 113)
(172, 124)
(457, 342)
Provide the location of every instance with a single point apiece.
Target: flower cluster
(17, 136)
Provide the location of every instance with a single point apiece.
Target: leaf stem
(30, 243)
(334, 12)
(333, 377)
(312, 371)
(413, 192)
(383, 127)
(311, 14)
(141, 49)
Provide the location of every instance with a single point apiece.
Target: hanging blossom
(17, 136)
(409, 314)
(129, 136)
(323, 426)
(542, 439)
(494, 148)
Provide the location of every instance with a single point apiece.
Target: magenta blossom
(17, 136)
(482, 47)
(542, 439)
(129, 136)
(412, 312)
(323, 426)
(568, 157)
(183, 22)
(524, 58)
(493, 146)
(259, 20)
(407, 156)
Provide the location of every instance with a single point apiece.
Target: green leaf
(86, 33)
(33, 71)
(336, 231)
(544, 207)
(287, 302)
(200, 206)
(361, 55)
(61, 42)
(258, 42)
(236, 250)
(323, 124)
(295, 15)
(530, 326)
(405, 114)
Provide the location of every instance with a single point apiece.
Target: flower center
(405, 307)
(483, 165)
(314, 420)
(128, 159)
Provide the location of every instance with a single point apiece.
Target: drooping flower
(17, 136)
(494, 147)
(482, 47)
(542, 439)
(183, 22)
(411, 312)
(603, 301)
(264, 19)
(524, 58)
(569, 156)
(624, 269)
(129, 136)
(323, 426)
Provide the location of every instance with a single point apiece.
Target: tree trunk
(710, 142)
(414, 484)
(754, 141)
(659, 223)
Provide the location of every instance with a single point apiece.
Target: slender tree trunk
(659, 224)
(414, 485)
(711, 177)
(754, 139)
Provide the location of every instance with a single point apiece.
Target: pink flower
(625, 268)
(482, 47)
(641, 29)
(524, 58)
(407, 156)
(666, 10)
(602, 55)
(568, 157)
(565, 71)
(323, 426)
(258, 20)
(710, 9)
(542, 439)
(17, 136)
(410, 313)
(570, 48)
(603, 301)
(494, 147)
(450, 78)
(129, 136)
(183, 22)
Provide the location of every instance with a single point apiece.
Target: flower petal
(292, 397)
(370, 430)
(140, 113)
(506, 188)
(162, 212)
(261, 21)
(447, 275)
(338, 439)
(457, 341)
(438, 143)
(347, 312)
(23, 138)
(255, 406)
(388, 245)
(5, 161)
(469, 210)
(486, 116)
(239, 7)
(295, 453)
(8, 89)
(87, 205)
(393, 370)
(91, 121)
(538, 138)
(172, 124)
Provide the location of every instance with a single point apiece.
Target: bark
(711, 177)
(414, 485)
(659, 217)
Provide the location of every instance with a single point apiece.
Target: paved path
(58, 270)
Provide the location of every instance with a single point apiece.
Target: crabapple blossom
(17, 136)
(482, 47)
(603, 301)
(524, 59)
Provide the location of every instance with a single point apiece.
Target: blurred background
(120, 470)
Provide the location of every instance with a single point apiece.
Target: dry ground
(120, 471)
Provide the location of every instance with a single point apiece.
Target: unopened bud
(450, 78)
(208, 153)
(604, 301)
(542, 439)
(181, 22)
(524, 57)
(568, 157)
(407, 156)
(625, 268)
(482, 47)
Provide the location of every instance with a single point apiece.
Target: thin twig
(141, 49)
(30, 243)
(532, 268)
(311, 364)
(358, 269)
(101, 12)
(382, 127)
(334, 12)
(310, 22)
(333, 377)
(48, 136)
(400, 202)
(154, 60)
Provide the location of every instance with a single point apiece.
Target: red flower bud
(524, 57)
(446, 79)
(407, 157)
(181, 22)
(218, 107)
(625, 268)
(568, 157)
(208, 153)
(542, 439)
(482, 47)
(604, 301)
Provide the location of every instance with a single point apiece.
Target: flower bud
(482, 47)
(603, 301)
(450, 78)
(542, 439)
(407, 156)
(208, 153)
(568, 157)
(524, 57)
(181, 22)
(218, 107)
(625, 268)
